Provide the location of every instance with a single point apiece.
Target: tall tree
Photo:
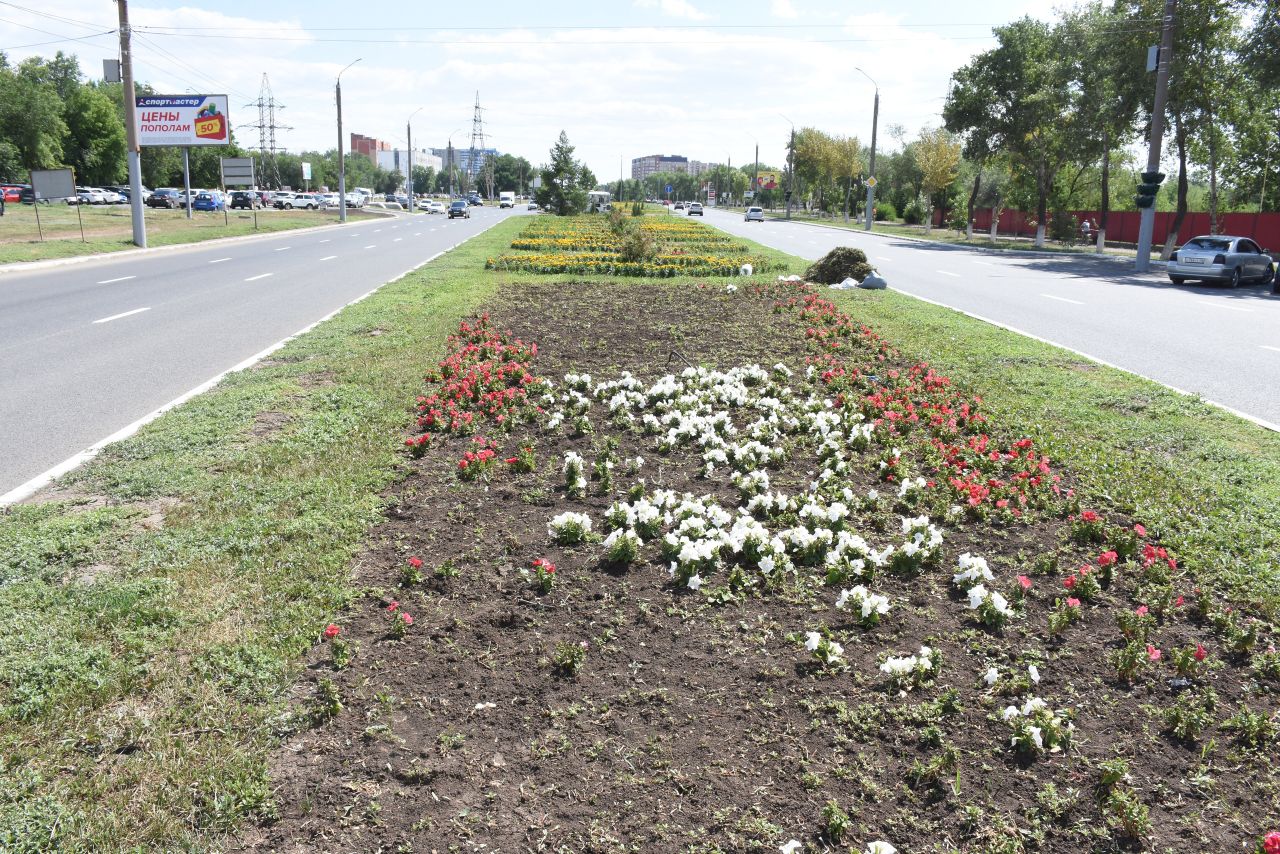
(562, 190)
(95, 142)
(938, 154)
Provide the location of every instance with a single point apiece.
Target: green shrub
(885, 211)
(913, 213)
(839, 264)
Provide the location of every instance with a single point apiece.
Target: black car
(165, 197)
(475, 200)
(459, 208)
(245, 199)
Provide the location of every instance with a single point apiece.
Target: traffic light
(1148, 189)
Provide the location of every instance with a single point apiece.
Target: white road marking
(397, 240)
(376, 230)
(1062, 299)
(1227, 307)
(219, 260)
(984, 263)
(1269, 347)
(120, 279)
(328, 257)
(883, 258)
(326, 240)
(259, 276)
(419, 233)
(122, 314)
(371, 246)
(947, 273)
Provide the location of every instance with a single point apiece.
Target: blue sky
(704, 78)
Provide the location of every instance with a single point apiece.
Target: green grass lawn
(155, 615)
(109, 228)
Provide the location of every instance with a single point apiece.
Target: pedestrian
(1086, 228)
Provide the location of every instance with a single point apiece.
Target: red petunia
(1271, 843)
(331, 631)
(1089, 516)
(1200, 652)
(1072, 602)
(415, 562)
(393, 606)
(1153, 653)
(1069, 582)
(1025, 582)
(1140, 530)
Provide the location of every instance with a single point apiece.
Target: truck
(507, 199)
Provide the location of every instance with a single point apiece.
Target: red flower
(1200, 652)
(1177, 603)
(1025, 582)
(1072, 602)
(406, 618)
(1271, 843)
(1153, 653)
(1069, 582)
(1089, 516)
(1140, 530)
(1141, 611)
(393, 606)
(1107, 558)
(415, 562)
(331, 631)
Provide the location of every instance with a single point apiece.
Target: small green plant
(524, 460)
(835, 821)
(1189, 716)
(339, 649)
(1129, 660)
(602, 469)
(329, 702)
(1136, 625)
(1125, 813)
(541, 574)
(1064, 613)
(1111, 773)
(400, 620)
(447, 569)
(622, 547)
(1253, 729)
(1189, 660)
(568, 658)
(1267, 665)
(575, 481)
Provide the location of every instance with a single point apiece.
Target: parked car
(209, 200)
(753, 215)
(309, 201)
(165, 197)
(12, 193)
(695, 209)
(281, 201)
(356, 199)
(458, 207)
(245, 199)
(1221, 258)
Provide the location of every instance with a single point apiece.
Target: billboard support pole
(131, 132)
(186, 179)
(80, 217)
(39, 227)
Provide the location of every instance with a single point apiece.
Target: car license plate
(1196, 261)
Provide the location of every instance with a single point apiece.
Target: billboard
(768, 181)
(53, 184)
(183, 120)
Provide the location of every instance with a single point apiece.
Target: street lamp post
(871, 179)
(342, 162)
(408, 132)
(449, 166)
(791, 168)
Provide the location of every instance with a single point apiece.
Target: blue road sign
(668, 188)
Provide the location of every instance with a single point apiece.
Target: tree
(511, 173)
(95, 141)
(938, 153)
(562, 190)
(31, 115)
(423, 178)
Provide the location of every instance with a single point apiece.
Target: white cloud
(675, 9)
(783, 9)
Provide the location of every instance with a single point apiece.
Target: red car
(12, 194)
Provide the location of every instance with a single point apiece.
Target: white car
(87, 196)
(110, 197)
(436, 206)
(753, 215)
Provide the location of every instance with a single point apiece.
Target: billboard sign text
(767, 181)
(183, 120)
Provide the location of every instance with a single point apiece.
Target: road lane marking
(397, 240)
(1269, 347)
(419, 233)
(1062, 299)
(376, 230)
(219, 260)
(120, 279)
(122, 314)
(947, 273)
(984, 263)
(282, 248)
(326, 240)
(259, 276)
(371, 246)
(1227, 307)
(883, 258)
(328, 257)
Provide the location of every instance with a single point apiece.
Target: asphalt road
(89, 348)
(1209, 340)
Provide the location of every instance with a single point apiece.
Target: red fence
(1122, 226)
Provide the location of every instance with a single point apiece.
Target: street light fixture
(408, 132)
(871, 179)
(342, 162)
(791, 171)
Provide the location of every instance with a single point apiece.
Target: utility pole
(342, 161)
(1147, 221)
(871, 179)
(755, 176)
(131, 129)
(408, 132)
(791, 169)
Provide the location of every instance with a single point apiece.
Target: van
(506, 199)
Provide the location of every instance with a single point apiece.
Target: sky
(707, 79)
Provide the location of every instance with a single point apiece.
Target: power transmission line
(267, 127)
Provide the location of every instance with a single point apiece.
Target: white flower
(733, 289)
(1035, 736)
(791, 847)
(1034, 673)
(480, 707)
(977, 595)
(1010, 713)
(695, 581)
(992, 676)
(766, 565)
(880, 847)
(811, 641)
(1033, 705)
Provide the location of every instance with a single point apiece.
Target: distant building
(368, 146)
(462, 158)
(397, 160)
(643, 167)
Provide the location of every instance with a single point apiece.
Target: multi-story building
(643, 167)
(368, 146)
(397, 160)
(462, 158)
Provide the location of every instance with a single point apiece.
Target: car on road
(436, 206)
(475, 200)
(695, 209)
(679, 206)
(753, 215)
(1220, 258)
(208, 200)
(533, 206)
(245, 199)
(458, 207)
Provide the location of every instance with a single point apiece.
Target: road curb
(25, 266)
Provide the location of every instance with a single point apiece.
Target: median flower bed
(591, 245)
(776, 574)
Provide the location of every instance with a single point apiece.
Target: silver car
(753, 215)
(1221, 258)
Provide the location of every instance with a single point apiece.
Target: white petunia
(1034, 673)
(991, 676)
(1034, 731)
(791, 847)
(811, 640)
(1010, 713)
(695, 581)
(977, 595)
(880, 847)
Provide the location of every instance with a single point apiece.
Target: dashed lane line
(219, 260)
(259, 276)
(947, 273)
(1062, 299)
(118, 279)
(1227, 307)
(328, 257)
(122, 314)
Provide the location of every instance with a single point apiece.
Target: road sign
(49, 184)
(871, 182)
(748, 195)
(237, 172)
(306, 171)
(668, 188)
